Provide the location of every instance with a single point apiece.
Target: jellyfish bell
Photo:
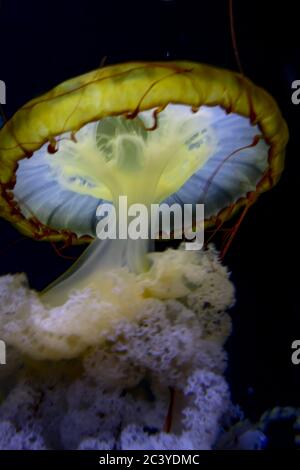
(156, 132)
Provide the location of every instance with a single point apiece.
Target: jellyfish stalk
(119, 158)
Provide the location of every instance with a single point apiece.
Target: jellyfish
(160, 133)
(163, 132)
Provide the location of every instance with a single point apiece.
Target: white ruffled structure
(74, 381)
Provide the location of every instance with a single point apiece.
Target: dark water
(45, 42)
